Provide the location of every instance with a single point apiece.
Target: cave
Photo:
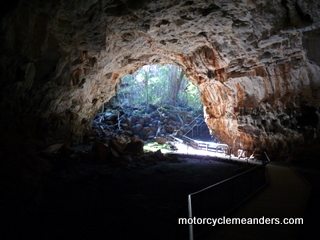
(255, 63)
(255, 72)
(156, 102)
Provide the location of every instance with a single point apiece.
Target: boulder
(149, 134)
(125, 126)
(152, 107)
(53, 148)
(160, 140)
(141, 121)
(89, 136)
(145, 131)
(118, 146)
(158, 155)
(146, 120)
(111, 117)
(122, 139)
(100, 151)
(128, 133)
(135, 147)
(134, 139)
(137, 128)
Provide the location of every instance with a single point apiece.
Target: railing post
(267, 158)
(190, 216)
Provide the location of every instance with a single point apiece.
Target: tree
(175, 78)
(145, 72)
(149, 84)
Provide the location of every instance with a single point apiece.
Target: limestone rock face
(256, 63)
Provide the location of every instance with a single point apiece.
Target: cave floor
(286, 196)
(103, 202)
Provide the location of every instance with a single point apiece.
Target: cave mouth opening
(153, 103)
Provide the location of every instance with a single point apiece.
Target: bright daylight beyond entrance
(153, 104)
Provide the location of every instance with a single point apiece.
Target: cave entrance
(157, 101)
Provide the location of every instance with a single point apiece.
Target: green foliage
(158, 85)
(154, 146)
(191, 97)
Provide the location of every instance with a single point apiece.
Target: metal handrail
(249, 173)
(213, 146)
(194, 120)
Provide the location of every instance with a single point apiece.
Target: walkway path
(286, 196)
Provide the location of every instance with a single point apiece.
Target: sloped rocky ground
(153, 123)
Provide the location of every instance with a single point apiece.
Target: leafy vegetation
(154, 146)
(159, 86)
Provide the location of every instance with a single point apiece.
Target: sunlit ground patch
(154, 146)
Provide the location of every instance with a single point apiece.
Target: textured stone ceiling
(256, 64)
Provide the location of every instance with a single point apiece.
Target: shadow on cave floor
(310, 228)
(103, 202)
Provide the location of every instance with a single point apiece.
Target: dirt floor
(103, 202)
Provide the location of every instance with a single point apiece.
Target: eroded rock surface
(256, 64)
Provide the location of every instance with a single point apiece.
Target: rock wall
(256, 64)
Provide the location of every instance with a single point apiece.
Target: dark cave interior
(65, 175)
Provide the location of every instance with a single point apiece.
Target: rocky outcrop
(256, 64)
(124, 124)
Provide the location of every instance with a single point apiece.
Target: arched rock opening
(61, 61)
(155, 103)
